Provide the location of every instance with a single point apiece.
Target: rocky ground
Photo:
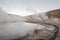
(50, 17)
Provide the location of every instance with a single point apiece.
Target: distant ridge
(53, 13)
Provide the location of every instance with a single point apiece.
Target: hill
(51, 17)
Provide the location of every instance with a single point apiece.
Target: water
(18, 29)
(13, 30)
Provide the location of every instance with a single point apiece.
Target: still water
(13, 30)
(18, 29)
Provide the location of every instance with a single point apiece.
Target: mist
(11, 30)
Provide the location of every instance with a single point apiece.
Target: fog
(13, 30)
(10, 29)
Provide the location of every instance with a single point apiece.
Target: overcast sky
(28, 7)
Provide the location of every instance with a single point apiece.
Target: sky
(28, 7)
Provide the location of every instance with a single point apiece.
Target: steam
(11, 30)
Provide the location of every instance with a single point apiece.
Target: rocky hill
(51, 17)
(54, 13)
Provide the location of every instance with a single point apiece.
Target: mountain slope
(54, 13)
(51, 17)
(45, 17)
